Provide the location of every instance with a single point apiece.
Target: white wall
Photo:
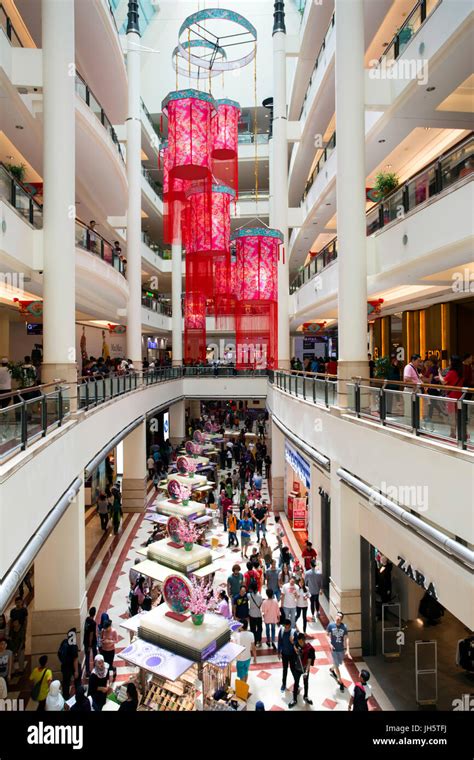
(22, 344)
(161, 37)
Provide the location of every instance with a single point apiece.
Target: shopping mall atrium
(236, 356)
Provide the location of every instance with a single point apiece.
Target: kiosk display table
(197, 643)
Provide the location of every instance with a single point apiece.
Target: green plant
(382, 367)
(17, 170)
(385, 182)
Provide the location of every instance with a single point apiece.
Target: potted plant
(385, 182)
(188, 534)
(17, 170)
(202, 599)
(405, 33)
(382, 367)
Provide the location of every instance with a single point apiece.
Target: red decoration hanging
(225, 143)
(174, 197)
(256, 294)
(189, 115)
(194, 327)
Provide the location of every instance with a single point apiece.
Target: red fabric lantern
(174, 196)
(189, 115)
(225, 142)
(194, 327)
(256, 295)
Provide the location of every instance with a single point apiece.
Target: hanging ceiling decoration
(225, 142)
(193, 27)
(210, 50)
(189, 115)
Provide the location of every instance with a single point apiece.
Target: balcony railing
(14, 192)
(252, 195)
(415, 19)
(153, 183)
(8, 28)
(157, 306)
(250, 138)
(326, 154)
(319, 262)
(318, 61)
(91, 241)
(86, 94)
(155, 247)
(445, 172)
(28, 414)
(390, 404)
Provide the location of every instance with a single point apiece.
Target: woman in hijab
(104, 618)
(54, 700)
(82, 703)
(98, 683)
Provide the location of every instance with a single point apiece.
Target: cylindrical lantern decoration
(194, 327)
(189, 115)
(256, 294)
(224, 298)
(225, 142)
(174, 198)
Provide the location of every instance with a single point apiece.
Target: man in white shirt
(246, 639)
(5, 382)
(289, 598)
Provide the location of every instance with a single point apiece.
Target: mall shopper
(82, 703)
(68, 655)
(412, 379)
(5, 383)
(234, 581)
(268, 466)
(271, 580)
(453, 377)
(223, 608)
(108, 640)
(289, 599)
(98, 683)
(265, 552)
(271, 617)
(150, 463)
(55, 700)
(286, 651)
(313, 580)
(339, 640)
(305, 657)
(302, 603)
(6, 661)
(393, 375)
(279, 533)
(232, 529)
(130, 704)
(41, 676)
(251, 575)
(116, 508)
(17, 633)
(286, 557)
(284, 576)
(308, 555)
(360, 693)
(255, 613)
(3, 627)
(260, 514)
(246, 527)
(240, 605)
(103, 510)
(245, 639)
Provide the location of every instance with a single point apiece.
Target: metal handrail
(104, 120)
(34, 208)
(115, 259)
(9, 28)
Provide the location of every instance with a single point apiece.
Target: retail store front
(297, 493)
(417, 605)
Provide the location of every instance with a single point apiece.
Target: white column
(134, 308)
(60, 584)
(278, 467)
(351, 231)
(5, 336)
(134, 470)
(59, 342)
(177, 422)
(176, 290)
(279, 190)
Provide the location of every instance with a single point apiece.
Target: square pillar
(134, 470)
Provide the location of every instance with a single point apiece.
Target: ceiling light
(328, 204)
(427, 129)
(10, 157)
(388, 166)
(382, 140)
(430, 89)
(267, 116)
(18, 126)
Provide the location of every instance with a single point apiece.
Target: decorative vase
(197, 618)
(188, 546)
(185, 502)
(191, 474)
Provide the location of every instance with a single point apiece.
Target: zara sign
(416, 576)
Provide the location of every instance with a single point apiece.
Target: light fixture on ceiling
(430, 89)
(18, 126)
(427, 129)
(10, 158)
(382, 140)
(267, 116)
(328, 204)
(388, 166)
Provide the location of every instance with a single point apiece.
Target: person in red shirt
(453, 377)
(331, 367)
(308, 555)
(226, 506)
(251, 575)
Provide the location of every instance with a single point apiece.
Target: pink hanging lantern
(174, 197)
(225, 142)
(189, 115)
(207, 219)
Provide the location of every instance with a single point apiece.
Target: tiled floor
(109, 559)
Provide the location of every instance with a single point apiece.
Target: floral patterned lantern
(189, 115)
(225, 142)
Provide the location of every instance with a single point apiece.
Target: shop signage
(416, 576)
(299, 465)
(299, 514)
